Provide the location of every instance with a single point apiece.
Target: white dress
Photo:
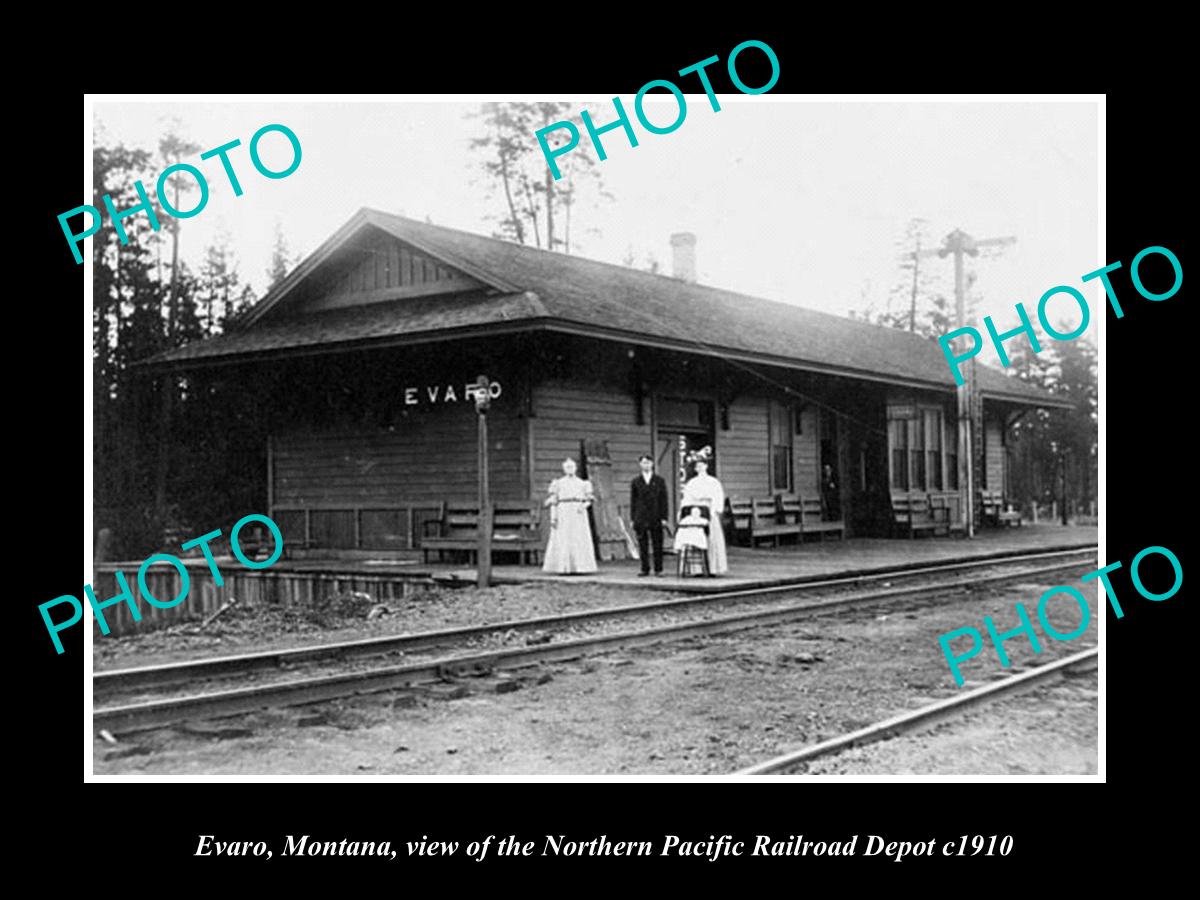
(569, 549)
(705, 490)
(690, 533)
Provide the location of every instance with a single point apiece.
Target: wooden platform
(299, 582)
(807, 562)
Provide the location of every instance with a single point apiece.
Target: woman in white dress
(704, 490)
(569, 549)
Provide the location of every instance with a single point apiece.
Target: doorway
(830, 476)
(867, 508)
(681, 425)
(671, 450)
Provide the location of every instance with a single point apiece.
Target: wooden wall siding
(806, 454)
(568, 412)
(429, 457)
(743, 452)
(994, 455)
(381, 268)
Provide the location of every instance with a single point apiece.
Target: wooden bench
(767, 523)
(809, 513)
(913, 513)
(943, 506)
(514, 528)
(994, 511)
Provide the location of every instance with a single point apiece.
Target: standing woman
(569, 550)
(704, 490)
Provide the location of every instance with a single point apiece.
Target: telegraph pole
(959, 243)
(483, 550)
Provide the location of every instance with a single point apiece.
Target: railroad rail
(143, 715)
(141, 677)
(925, 716)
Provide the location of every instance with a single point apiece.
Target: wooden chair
(693, 559)
(912, 513)
(942, 507)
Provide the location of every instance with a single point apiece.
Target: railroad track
(926, 715)
(202, 669)
(153, 713)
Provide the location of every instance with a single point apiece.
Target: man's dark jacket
(648, 502)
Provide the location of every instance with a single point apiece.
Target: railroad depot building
(367, 354)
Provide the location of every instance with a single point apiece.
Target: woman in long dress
(704, 490)
(569, 549)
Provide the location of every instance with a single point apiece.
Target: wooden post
(965, 451)
(958, 243)
(483, 549)
(1065, 511)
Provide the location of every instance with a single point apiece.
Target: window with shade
(931, 425)
(918, 440)
(781, 448)
(916, 452)
(898, 440)
(951, 435)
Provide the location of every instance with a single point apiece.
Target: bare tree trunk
(512, 207)
(912, 309)
(549, 205)
(532, 213)
(567, 203)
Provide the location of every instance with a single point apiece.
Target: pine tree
(218, 287)
(537, 208)
(281, 260)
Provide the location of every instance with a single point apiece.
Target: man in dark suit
(648, 509)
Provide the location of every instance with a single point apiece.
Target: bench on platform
(943, 507)
(994, 511)
(767, 522)
(809, 513)
(514, 529)
(913, 513)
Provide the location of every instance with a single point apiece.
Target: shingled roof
(532, 289)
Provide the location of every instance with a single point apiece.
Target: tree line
(170, 453)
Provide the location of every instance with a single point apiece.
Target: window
(931, 424)
(917, 452)
(951, 455)
(781, 447)
(898, 439)
(683, 413)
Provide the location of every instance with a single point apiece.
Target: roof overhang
(560, 326)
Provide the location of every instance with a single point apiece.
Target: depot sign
(436, 393)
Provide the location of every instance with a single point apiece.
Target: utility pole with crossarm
(959, 243)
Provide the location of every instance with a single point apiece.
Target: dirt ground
(1007, 737)
(697, 706)
(350, 617)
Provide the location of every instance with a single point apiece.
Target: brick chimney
(683, 246)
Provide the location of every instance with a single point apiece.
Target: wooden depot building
(367, 354)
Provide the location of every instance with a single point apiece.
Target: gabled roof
(538, 289)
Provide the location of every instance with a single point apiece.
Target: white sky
(796, 201)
